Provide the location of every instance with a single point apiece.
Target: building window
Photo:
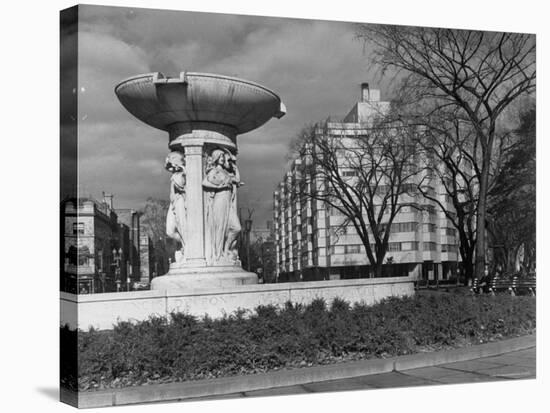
(337, 231)
(429, 174)
(409, 246)
(449, 248)
(429, 246)
(404, 227)
(334, 211)
(78, 228)
(450, 231)
(394, 246)
(353, 249)
(429, 208)
(409, 188)
(429, 227)
(410, 208)
(72, 255)
(79, 256)
(429, 190)
(83, 260)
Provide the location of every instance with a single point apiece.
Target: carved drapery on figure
(177, 212)
(222, 227)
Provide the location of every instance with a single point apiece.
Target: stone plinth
(210, 277)
(102, 311)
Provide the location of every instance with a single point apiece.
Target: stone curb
(283, 378)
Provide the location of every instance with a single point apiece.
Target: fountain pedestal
(193, 271)
(203, 114)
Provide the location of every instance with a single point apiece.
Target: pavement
(507, 366)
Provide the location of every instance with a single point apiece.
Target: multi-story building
(95, 247)
(130, 218)
(268, 260)
(313, 241)
(149, 266)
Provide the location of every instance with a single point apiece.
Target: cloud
(103, 62)
(315, 66)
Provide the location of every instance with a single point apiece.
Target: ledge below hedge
(231, 385)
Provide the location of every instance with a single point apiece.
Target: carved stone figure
(177, 212)
(222, 222)
(234, 223)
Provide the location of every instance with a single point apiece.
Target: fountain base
(182, 277)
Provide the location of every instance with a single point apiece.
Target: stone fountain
(203, 114)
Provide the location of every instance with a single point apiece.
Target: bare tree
(153, 224)
(477, 74)
(448, 161)
(368, 179)
(512, 198)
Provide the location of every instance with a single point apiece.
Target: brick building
(148, 268)
(95, 247)
(269, 261)
(130, 218)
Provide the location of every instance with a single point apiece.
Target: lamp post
(117, 256)
(457, 269)
(247, 229)
(129, 272)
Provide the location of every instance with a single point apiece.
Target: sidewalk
(512, 358)
(514, 365)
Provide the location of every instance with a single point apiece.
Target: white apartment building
(311, 242)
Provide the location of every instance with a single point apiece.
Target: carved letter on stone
(177, 212)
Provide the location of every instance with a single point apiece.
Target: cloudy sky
(315, 66)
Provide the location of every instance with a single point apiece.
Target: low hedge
(184, 347)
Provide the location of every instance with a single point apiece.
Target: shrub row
(184, 347)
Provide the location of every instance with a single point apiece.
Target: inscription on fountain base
(102, 311)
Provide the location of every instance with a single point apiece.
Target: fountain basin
(162, 101)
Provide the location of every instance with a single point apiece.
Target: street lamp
(117, 256)
(247, 229)
(102, 275)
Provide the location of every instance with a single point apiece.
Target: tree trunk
(379, 262)
(468, 269)
(481, 218)
(467, 255)
(511, 260)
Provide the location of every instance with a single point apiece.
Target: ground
(514, 365)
